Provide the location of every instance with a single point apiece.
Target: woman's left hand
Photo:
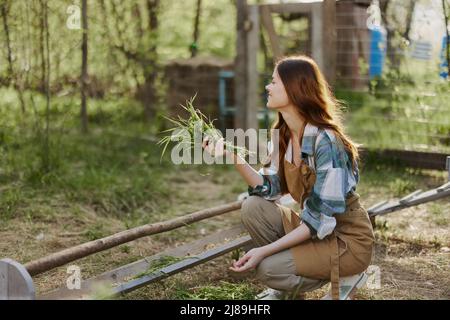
(216, 149)
(250, 260)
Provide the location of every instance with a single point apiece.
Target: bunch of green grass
(196, 121)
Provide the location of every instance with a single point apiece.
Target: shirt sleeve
(328, 194)
(271, 187)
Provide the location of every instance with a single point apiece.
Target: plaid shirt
(335, 179)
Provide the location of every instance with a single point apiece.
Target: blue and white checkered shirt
(335, 179)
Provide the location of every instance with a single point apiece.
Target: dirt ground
(412, 249)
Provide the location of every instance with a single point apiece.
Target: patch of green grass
(224, 291)
(435, 209)
(438, 213)
(114, 174)
(403, 225)
(42, 212)
(401, 187)
(95, 232)
(236, 254)
(441, 220)
(125, 249)
(102, 292)
(436, 242)
(389, 180)
(10, 200)
(381, 226)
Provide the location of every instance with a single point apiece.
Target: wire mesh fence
(390, 75)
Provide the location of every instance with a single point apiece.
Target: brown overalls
(346, 251)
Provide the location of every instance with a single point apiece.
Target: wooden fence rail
(68, 255)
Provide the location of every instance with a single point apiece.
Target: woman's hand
(214, 149)
(250, 260)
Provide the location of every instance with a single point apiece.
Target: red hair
(310, 93)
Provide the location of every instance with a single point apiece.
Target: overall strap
(335, 252)
(334, 277)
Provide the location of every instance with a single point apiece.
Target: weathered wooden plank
(287, 8)
(417, 159)
(396, 205)
(122, 273)
(410, 196)
(65, 256)
(447, 166)
(444, 187)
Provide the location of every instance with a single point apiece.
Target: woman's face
(277, 96)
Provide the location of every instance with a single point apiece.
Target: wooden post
(240, 65)
(329, 40)
(317, 34)
(373, 222)
(15, 281)
(253, 97)
(447, 166)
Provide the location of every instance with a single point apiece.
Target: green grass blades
(223, 291)
(185, 130)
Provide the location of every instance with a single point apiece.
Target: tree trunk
(28, 46)
(41, 86)
(137, 15)
(409, 19)
(4, 12)
(145, 58)
(122, 40)
(46, 60)
(12, 78)
(194, 45)
(108, 34)
(392, 49)
(148, 90)
(84, 75)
